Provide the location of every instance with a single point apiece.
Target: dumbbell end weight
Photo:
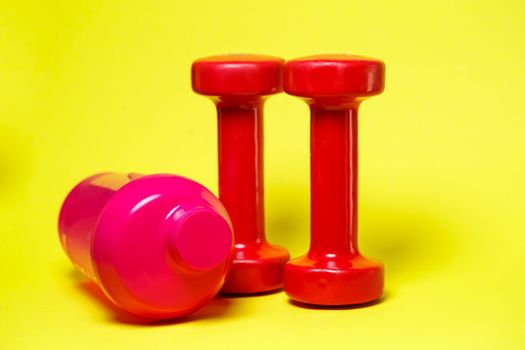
(346, 280)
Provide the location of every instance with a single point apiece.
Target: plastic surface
(333, 272)
(238, 75)
(347, 76)
(159, 246)
(239, 84)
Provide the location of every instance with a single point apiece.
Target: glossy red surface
(333, 272)
(237, 75)
(239, 84)
(335, 75)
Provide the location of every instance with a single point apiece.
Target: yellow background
(90, 86)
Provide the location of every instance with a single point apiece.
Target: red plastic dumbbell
(239, 85)
(334, 272)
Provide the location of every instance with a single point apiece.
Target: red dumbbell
(334, 272)
(239, 85)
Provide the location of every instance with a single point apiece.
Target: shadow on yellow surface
(217, 308)
(411, 244)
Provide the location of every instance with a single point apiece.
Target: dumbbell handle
(333, 180)
(241, 181)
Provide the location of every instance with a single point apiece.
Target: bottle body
(159, 246)
(79, 215)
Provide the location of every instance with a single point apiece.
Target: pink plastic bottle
(159, 246)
